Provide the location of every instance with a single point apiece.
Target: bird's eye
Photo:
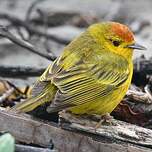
(116, 43)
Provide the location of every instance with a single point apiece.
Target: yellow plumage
(91, 76)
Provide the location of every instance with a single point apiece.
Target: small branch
(138, 96)
(45, 18)
(143, 65)
(26, 148)
(148, 91)
(31, 29)
(5, 33)
(6, 95)
(30, 9)
(18, 72)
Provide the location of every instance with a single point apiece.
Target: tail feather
(28, 105)
(46, 95)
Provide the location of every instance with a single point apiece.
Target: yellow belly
(104, 105)
(100, 107)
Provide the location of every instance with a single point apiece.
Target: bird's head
(115, 37)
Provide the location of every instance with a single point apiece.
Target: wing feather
(82, 84)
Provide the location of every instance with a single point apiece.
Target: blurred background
(50, 25)
(34, 32)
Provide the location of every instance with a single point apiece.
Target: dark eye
(116, 43)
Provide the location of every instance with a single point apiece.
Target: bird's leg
(105, 119)
(94, 121)
(67, 116)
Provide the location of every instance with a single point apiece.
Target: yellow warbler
(91, 76)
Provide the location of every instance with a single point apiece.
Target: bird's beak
(136, 46)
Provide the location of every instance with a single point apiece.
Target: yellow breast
(106, 104)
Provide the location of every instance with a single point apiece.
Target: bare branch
(138, 96)
(5, 33)
(44, 16)
(143, 65)
(26, 148)
(18, 72)
(148, 91)
(30, 9)
(18, 22)
(6, 95)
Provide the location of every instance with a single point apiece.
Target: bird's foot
(93, 121)
(68, 117)
(105, 119)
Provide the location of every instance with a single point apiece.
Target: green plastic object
(7, 143)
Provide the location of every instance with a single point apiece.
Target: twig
(5, 33)
(138, 96)
(30, 9)
(20, 33)
(29, 13)
(45, 21)
(143, 65)
(6, 95)
(138, 25)
(15, 88)
(29, 27)
(26, 148)
(18, 72)
(147, 90)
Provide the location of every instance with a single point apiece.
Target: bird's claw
(106, 119)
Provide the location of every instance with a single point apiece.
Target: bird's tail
(28, 105)
(33, 102)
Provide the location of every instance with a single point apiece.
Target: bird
(91, 76)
